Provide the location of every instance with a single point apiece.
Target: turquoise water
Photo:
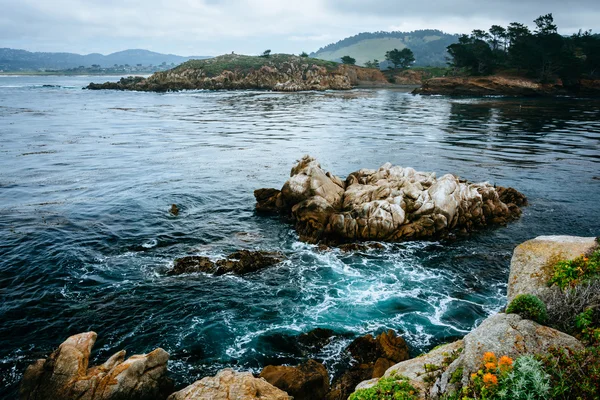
(87, 179)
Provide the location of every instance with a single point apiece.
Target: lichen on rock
(389, 204)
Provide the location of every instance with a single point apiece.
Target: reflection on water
(87, 179)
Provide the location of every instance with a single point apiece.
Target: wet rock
(65, 375)
(307, 381)
(313, 341)
(374, 355)
(348, 247)
(533, 262)
(266, 200)
(174, 209)
(230, 385)
(192, 264)
(389, 204)
(504, 335)
(241, 262)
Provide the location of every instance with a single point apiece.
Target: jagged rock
(373, 357)
(313, 341)
(230, 385)
(348, 247)
(174, 209)
(532, 263)
(388, 204)
(239, 263)
(308, 381)
(414, 368)
(504, 335)
(65, 375)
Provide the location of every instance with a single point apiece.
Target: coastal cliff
(279, 72)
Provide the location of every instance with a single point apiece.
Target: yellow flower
(490, 379)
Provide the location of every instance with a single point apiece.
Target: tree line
(543, 53)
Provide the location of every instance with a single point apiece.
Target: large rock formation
(239, 263)
(533, 262)
(388, 204)
(230, 385)
(279, 72)
(373, 356)
(307, 381)
(65, 375)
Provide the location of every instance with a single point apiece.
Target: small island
(279, 72)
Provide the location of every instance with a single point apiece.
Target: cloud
(211, 27)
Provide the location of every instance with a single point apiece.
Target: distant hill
(429, 46)
(16, 60)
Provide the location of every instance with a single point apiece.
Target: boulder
(239, 263)
(414, 368)
(314, 340)
(230, 385)
(504, 335)
(389, 204)
(373, 356)
(308, 381)
(65, 374)
(533, 261)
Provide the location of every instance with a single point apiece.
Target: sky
(213, 27)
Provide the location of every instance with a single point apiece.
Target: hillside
(22, 60)
(429, 46)
(280, 72)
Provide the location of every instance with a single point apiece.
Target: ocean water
(87, 179)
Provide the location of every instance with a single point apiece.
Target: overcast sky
(213, 27)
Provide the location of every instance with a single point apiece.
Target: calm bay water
(87, 179)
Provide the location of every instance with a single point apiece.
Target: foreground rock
(230, 385)
(533, 262)
(373, 356)
(307, 381)
(279, 72)
(504, 86)
(65, 375)
(239, 263)
(388, 204)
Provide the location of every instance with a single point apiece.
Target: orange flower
(489, 357)
(490, 379)
(490, 366)
(505, 361)
(585, 259)
(473, 375)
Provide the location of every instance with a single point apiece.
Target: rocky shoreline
(286, 73)
(66, 375)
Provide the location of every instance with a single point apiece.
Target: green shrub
(569, 273)
(573, 374)
(528, 306)
(527, 381)
(391, 388)
(588, 325)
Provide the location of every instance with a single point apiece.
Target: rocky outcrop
(499, 85)
(373, 356)
(230, 385)
(307, 381)
(533, 261)
(504, 335)
(279, 72)
(388, 204)
(239, 263)
(65, 375)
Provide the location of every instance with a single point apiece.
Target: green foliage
(372, 64)
(304, 54)
(570, 273)
(245, 64)
(573, 374)
(391, 388)
(348, 60)
(527, 381)
(588, 325)
(400, 58)
(456, 375)
(544, 53)
(266, 54)
(528, 306)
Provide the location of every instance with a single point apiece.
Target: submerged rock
(533, 261)
(230, 385)
(241, 262)
(373, 356)
(388, 204)
(65, 375)
(306, 381)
